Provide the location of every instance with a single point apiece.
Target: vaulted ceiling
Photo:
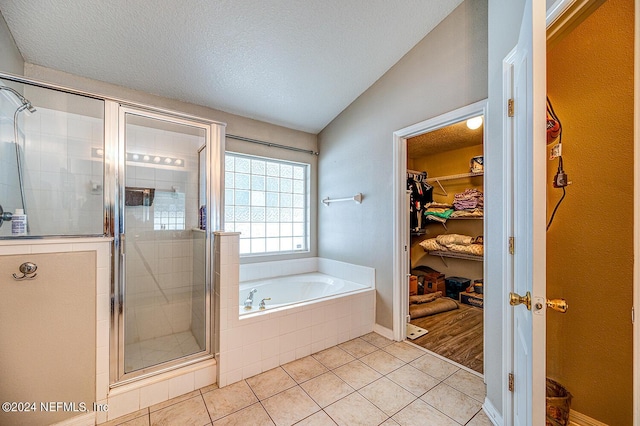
(288, 62)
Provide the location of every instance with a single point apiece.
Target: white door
(529, 217)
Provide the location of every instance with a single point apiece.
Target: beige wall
(10, 57)
(48, 335)
(589, 244)
(444, 71)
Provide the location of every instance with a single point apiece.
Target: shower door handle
(122, 239)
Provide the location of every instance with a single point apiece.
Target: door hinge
(408, 318)
(512, 245)
(633, 315)
(510, 108)
(511, 380)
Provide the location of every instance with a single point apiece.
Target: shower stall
(165, 252)
(82, 165)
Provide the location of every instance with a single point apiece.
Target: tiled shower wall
(9, 195)
(62, 181)
(160, 251)
(198, 293)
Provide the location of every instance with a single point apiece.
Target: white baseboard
(383, 331)
(579, 419)
(492, 413)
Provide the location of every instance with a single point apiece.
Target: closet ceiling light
(474, 123)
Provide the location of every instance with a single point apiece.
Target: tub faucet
(248, 304)
(263, 304)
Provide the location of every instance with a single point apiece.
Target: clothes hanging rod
(271, 144)
(415, 172)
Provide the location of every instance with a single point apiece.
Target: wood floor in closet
(456, 335)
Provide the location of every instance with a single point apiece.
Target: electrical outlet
(561, 179)
(556, 151)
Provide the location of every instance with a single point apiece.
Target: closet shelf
(453, 177)
(455, 255)
(441, 179)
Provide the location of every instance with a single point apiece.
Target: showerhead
(25, 103)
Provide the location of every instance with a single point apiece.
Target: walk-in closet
(445, 194)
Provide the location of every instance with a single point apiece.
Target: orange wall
(449, 163)
(590, 246)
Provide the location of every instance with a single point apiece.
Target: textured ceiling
(455, 136)
(288, 62)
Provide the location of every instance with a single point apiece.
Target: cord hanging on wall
(554, 131)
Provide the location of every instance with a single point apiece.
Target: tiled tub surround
(129, 398)
(260, 341)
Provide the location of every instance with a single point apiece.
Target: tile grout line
(465, 390)
(206, 407)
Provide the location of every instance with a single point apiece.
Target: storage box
(473, 299)
(429, 280)
(455, 285)
(431, 286)
(413, 285)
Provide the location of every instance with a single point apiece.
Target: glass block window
(168, 211)
(266, 201)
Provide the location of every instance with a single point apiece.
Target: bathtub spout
(248, 304)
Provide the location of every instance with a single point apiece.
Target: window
(266, 201)
(168, 211)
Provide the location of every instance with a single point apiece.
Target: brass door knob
(559, 305)
(515, 299)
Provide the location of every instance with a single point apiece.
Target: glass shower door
(164, 258)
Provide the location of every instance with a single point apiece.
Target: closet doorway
(445, 169)
(442, 167)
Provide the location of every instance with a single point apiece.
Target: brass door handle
(559, 305)
(515, 300)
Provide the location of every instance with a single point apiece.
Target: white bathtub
(294, 290)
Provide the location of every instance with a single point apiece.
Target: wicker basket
(558, 404)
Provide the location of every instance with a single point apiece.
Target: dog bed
(436, 306)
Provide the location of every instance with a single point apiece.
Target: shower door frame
(111, 222)
(115, 149)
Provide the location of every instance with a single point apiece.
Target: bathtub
(316, 303)
(294, 290)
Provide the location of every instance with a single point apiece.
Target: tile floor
(366, 381)
(160, 349)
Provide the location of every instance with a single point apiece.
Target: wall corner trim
(490, 410)
(383, 331)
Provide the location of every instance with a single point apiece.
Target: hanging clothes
(421, 195)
